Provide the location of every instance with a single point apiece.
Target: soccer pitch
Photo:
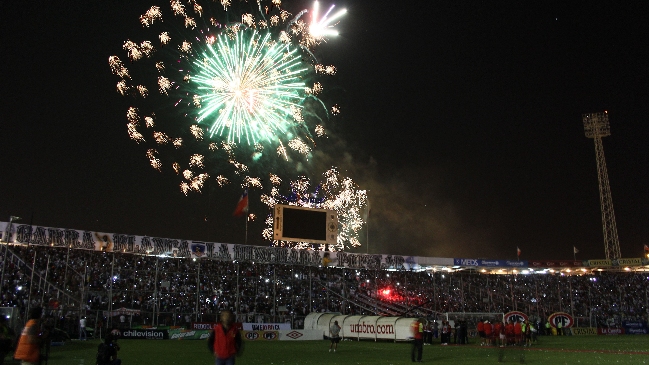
(549, 350)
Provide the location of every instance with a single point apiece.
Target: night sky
(461, 118)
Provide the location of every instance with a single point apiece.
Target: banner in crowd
(26, 234)
(617, 262)
(113, 242)
(557, 263)
(122, 311)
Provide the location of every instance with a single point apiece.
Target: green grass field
(552, 350)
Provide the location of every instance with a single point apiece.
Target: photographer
(107, 351)
(29, 344)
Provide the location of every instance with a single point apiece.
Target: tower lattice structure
(596, 126)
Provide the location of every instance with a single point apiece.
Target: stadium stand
(174, 291)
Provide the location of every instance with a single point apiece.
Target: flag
(518, 252)
(326, 260)
(646, 248)
(103, 242)
(574, 249)
(198, 250)
(242, 205)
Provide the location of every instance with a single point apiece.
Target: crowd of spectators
(168, 290)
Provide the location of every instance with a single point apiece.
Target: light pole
(596, 126)
(6, 239)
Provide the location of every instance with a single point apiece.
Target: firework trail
(224, 88)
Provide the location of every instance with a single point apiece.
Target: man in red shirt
(518, 332)
(499, 334)
(225, 340)
(488, 332)
(481, 332)
(509, 332)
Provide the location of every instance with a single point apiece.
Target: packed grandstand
(79, 274)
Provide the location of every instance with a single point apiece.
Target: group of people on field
(512, 333)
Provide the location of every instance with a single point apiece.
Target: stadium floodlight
(596, 126)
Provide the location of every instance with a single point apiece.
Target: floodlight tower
(596, 126)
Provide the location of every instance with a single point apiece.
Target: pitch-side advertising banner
(635, 327)
(579, 331)
(361, 327)
(145, 334)
(562, 318)
(203, 325)
(610, 331)
(183, 334)
(300, 335)
(490, 263)
(260, 335)
(266, 326)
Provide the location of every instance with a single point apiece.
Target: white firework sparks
(196, 160)
(334, 193)
(151, 16)
(196, 131)
(319, 28)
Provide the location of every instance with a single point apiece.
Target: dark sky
(462, 119)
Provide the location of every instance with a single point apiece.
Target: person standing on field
(334, 336)
(225, 340)
(417, 329)
(83, 335)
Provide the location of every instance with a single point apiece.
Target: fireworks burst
(224, 90)
(334, 192)
(245, 83)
